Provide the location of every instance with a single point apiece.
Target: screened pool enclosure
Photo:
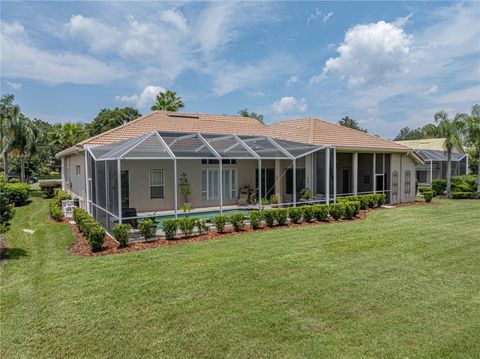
(213, 162)
(435, 165)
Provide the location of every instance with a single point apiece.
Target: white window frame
(210, 189)
(162, 180)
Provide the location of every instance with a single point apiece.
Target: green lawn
(403, 283)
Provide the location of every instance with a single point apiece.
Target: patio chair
(243, 196)
(130, 212)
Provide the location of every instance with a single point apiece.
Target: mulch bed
(81, 247)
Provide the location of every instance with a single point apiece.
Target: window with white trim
(157, 183)
(210, 184)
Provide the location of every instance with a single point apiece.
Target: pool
(204, 215)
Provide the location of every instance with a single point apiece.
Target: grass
(403, 283)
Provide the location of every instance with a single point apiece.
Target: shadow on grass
(15, 253)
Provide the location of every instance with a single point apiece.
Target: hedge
(55, 211)
(122, 233)
(337, 210)
(366, 200)
(439, 186)
(295, 214)
(17, 193)
(465, 195)
(92, 230)
(48, 187)
(428, 195)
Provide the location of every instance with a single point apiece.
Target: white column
(260, 184)
(334, 175)
(175, 190)
(62, 171)
(431, 172)
(278, 184)
(355, 173)
(294, 189)
(374, 174)
(119, 190)
(327, 175)
(87, 184)
(383, 173)
(220, 175)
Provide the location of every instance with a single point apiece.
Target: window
(77, 170)
(210, 184)
(214, 161)
(157, 183)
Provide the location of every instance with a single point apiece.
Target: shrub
(17, 193)
(352, 209)
(269, 216)
(428, 195)
(219, 222)
(236, 219)
(122, 233)
(6, 211)
(381, 199)
(92, 230)
(3, 248)
(364, 200)
(273, 199)
(295, 214)
(170, 227)
(463, 195)
(281, 215)
(462, 187)
(471, 180)
(372, 200)
(264, 201)
(337, 210)
(147, 228)
(48, 187)
(201, 225)
(61, 196)
(14, 180)
(439, 186)
(308, 213)
(55, 211)
(186, 225)
(255, 218)
(321, 211)
(423, 189)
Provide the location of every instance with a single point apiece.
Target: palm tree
(23, 140)
(452, 131)
(168, 101)
(244, 113)
(472, 133)
(67, 135)
(9, 113)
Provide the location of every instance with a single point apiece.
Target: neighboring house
(433, 153)
(281, 159)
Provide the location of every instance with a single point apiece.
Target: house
(134, 170)
(433, 153)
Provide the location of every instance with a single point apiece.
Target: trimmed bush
(255, 218)
(439, 186)
(219, 222)
(170, 227)
(147, 228)
(122, 233)
(308, 213)
(269, 216)
(352, 209)
(471, 180)
(236, 219)
(55, 211)
(462, 187)
(428, 195)
(17, 193)
(61, 196)
(281, 215)
(48, 187)
(321, 212)
(337, 210)
(186, 225)
(463, 195)
(423, 189)
(364, 200)
(382, 199)
(92, 230)
(201, 225)
(295, 214)
(273, 199)
(6, 211)
(13, 180)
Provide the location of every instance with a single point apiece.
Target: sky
(385, 64)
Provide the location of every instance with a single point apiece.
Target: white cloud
(292, 80)
(99, 36)
(433, 89)
(14, 85)
(317, 14)
(176, 18)
(23, 59)
(370, 53)
(289, 104)
(143, 100)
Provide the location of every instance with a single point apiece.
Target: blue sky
(386, 64)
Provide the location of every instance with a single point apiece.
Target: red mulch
(81, 247)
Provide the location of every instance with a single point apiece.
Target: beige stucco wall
(73, 183)
(402, 163)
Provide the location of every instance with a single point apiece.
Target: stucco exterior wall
(74, 183)
(403, 164)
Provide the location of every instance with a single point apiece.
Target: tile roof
(306, 130)
(436, 144)
(316, 131)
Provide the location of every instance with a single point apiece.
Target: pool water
(203, 215)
